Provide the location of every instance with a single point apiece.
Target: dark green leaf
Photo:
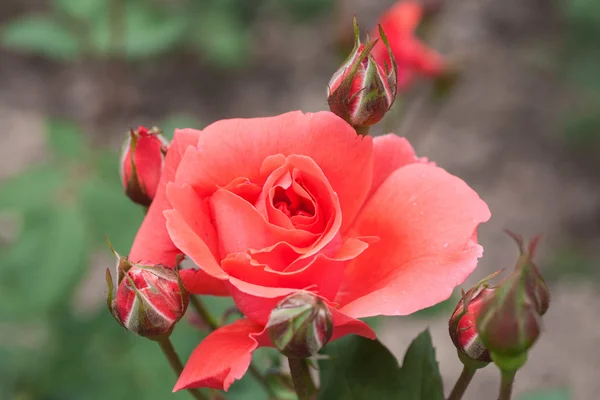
(420, 377)
(66, 139)
(359, 369)
(41, 35)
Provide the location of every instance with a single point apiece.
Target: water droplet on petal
(446, 245)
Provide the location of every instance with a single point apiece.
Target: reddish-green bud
(149, 299)
(535, 285)
(141, 165)
(362, 91)
(300, 325)
(509, 323)
(461, 325)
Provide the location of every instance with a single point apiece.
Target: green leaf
(551, 394)
(148, 31)
(360, 368)
(80, 9)
(31, 189)
(41, 35)
(420, 377)
(42, 268)
(66, 139)
(221, 38)
(110, 213)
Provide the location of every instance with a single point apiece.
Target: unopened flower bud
(141, 164)
(300, 325)
(509, 323)
(149, 299)
(535, 285)
(362, 90)
(461, 325)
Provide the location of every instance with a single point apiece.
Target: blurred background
(521, 125)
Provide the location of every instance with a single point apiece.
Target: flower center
(291, 203)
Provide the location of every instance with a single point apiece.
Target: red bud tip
(141, 164)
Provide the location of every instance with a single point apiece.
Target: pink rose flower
(266, 207)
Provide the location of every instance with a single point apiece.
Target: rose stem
(506, 384)
(212, 324)
(303, 383)
(169, 351)
(462, 383)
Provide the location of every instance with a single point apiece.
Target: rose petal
(390, 152)
(192, 245)
(235, 148)
(425, 219)
(346, 325)
(152, 243)
(323, 275)
(222, 357)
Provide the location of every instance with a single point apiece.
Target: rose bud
(535, 285)
(362, 91)
(300, 325)
(509, 323)
(462, 328)
(149, 299)
(141, 164)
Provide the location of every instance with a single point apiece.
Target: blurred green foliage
(220, 30)
(552, 394)
(581, 60)
(55, 216)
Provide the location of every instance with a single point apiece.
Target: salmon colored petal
(192, 245)
(390, 152)
(223, 357)
(255, 301)
(241, 227)
(322, 274)
(195, 212)
(425, 219)
(196, 281)
(235, 148)
(346, 325)
(152, 243)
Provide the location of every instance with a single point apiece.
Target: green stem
(462, 383)
(169, 351)
(362, 130)
(262, 380)
(303, 382)
(204, 313)
(506, 384)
